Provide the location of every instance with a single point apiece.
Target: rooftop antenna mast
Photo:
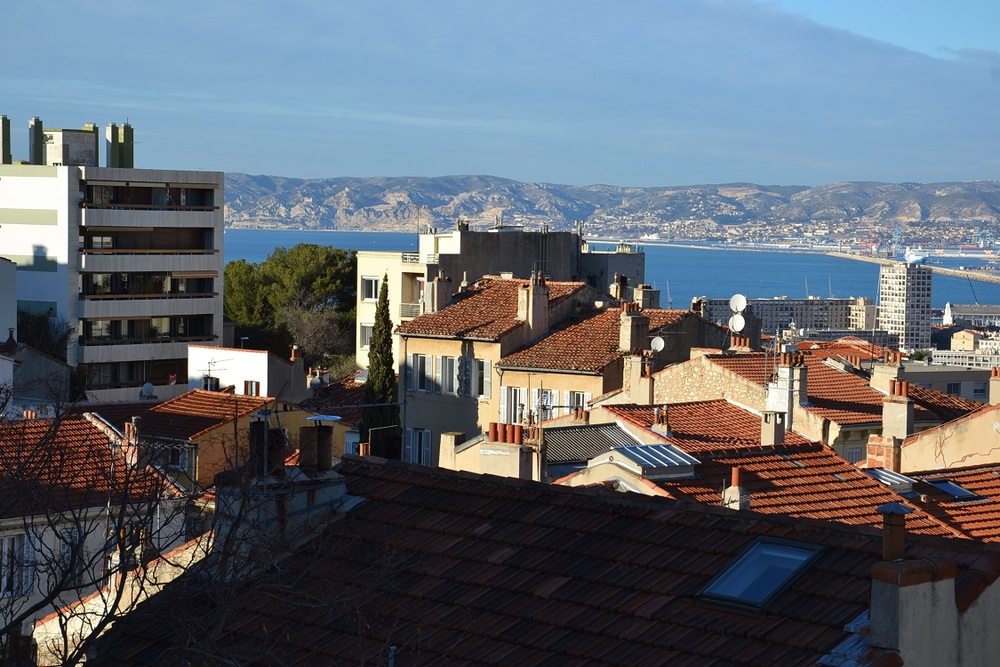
(670, 301)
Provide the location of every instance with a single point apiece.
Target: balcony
(410, 310)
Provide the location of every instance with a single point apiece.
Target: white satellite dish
(738, 303)
(737, 323)
(657, 344)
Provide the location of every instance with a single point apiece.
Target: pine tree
(380, 389)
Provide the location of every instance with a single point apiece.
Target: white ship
(914, 256)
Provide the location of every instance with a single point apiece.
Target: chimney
(994, 385)
(893, 530)
(661, 425)
(772, 429)
(633, 330)
(883, 452)
(130, 444)
(788, 390)
(897, 410)
(533, 306)
(308, 447)
(638, 379)
(882, 374)
(647, 297)
(735, 497)
(439, 293)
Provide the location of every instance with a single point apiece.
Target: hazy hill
(400, 204)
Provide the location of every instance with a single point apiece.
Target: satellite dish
(738, 303)
(656, 345)
(737, 323)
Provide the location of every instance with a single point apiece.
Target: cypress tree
(380, 389)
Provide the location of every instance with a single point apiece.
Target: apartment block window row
(456, 376)
(131, 285)
(137, 373)
(99, 332)
(165, 197)
(517, 404)
(125, 241)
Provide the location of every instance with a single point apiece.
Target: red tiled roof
(193, 413)
(978, 518)
(486, 310)
(798, 478)
(844, 397)
(451, 568)
(586, 344)
(49, 465)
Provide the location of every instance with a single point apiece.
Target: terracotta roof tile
(500, 593)
(979, 516)
(342, 398)
(586, 344)
(486, 310)
(844, 397)
(798, 478)
(193, 413)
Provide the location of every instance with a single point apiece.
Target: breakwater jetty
(971, 274)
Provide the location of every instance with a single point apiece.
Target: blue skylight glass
(761, 572)
(953, 489)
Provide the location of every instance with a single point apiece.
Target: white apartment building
(130, 258)
(904, 306)
(423, 281)
(812, 313)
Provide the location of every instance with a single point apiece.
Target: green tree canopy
(304, 294)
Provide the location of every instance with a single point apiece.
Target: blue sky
(638, 92)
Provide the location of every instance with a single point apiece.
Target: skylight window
(763, 571)
(956, 491)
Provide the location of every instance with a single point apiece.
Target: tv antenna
(670, 302)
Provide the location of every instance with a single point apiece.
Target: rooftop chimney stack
(897, 410)
(533, 306)
(735, 497)
(772, 429)
(647, 297)
(633, 332)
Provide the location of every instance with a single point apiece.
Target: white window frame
(480, 380)
(370, 286)
(549, 398)
(447, 375)
(69, 539)
(417, 446)
(365, 334)
(512, 401)
(421, 372)
(15, 565)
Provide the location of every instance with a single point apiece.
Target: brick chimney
(897, 410)
(772, 429)
(633, 331)
(533, 306)
(788, 389)
(735, 497)
(134, 453)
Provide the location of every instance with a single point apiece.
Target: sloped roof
(452, 568)
(843, 397)
(486, 310)
(71, 463)
(343, 397)
(586, 344)
(196, 412)
(798, 478)
(979, 517)
(583, 442)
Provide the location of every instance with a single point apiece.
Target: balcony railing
(410, 309)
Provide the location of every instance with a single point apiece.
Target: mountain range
(411, 204)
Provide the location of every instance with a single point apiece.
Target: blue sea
(680, 273)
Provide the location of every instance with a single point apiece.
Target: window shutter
(503, 405)
(586, 400)
(536, 404)
(565, 401)
(28, 569)
(409, 372)
(408, 445)
(487, 379)
(425, 448)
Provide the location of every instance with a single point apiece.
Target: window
(366, 334)
(513, 401)
(419, 373)
(543, 403)
(954, 388)
(72, 557)
(369, 288)
(417, 446)
(479, 379)
(251, 388)
(14, 566)
(177, 458)
(577, 399)
(979, 389)
(957, 492)
(448, 375)
(763, 571)
(854, 454)
(210, 383)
